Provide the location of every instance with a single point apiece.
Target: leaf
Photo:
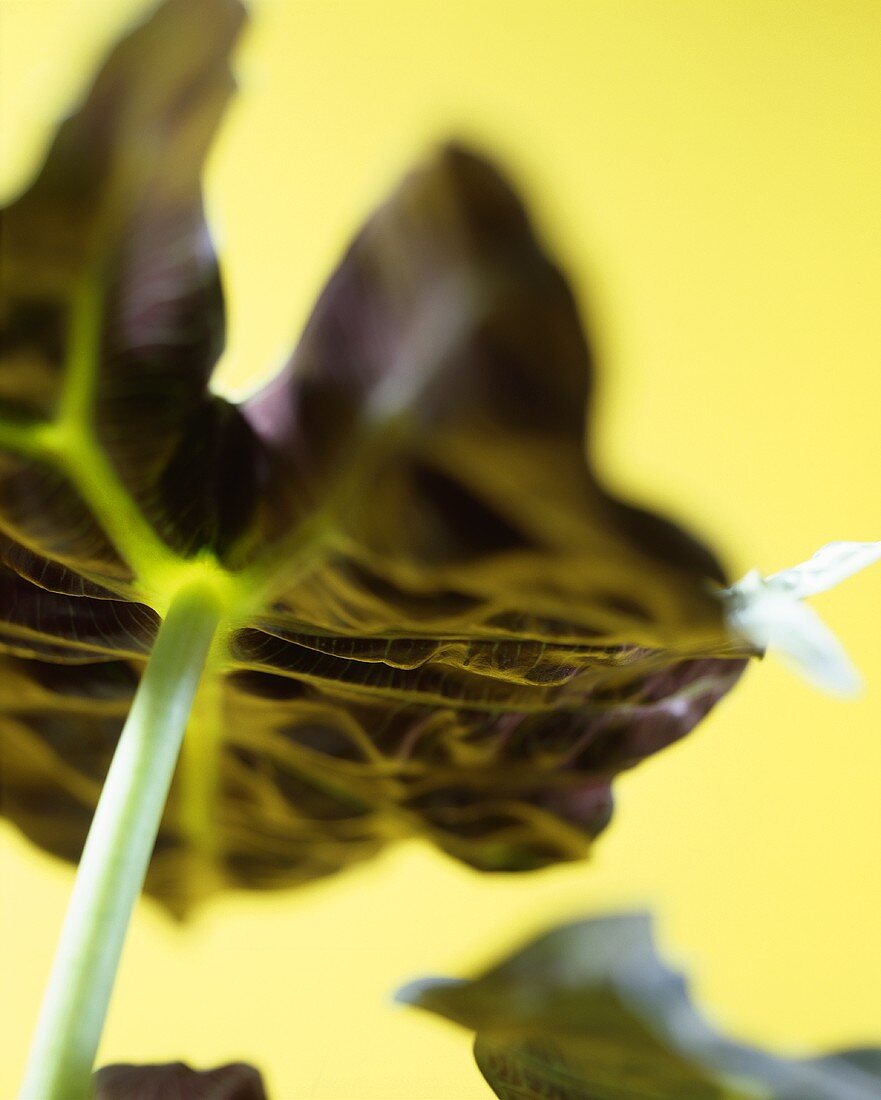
(438, 621)
(113, 313)
(589, 1012)
(233, 1082)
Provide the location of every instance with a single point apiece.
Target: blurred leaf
(438, 620)
(177, 1081)
(589, 1012)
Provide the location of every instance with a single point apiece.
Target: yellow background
(710, 173)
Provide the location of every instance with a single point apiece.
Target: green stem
(117, 852)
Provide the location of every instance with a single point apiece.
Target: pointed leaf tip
(419, 992)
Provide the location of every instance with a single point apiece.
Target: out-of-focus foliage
(176, 1080)
(438, 622)
(589, 1012)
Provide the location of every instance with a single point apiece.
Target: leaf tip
(420, 992)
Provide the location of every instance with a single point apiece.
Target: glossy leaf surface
(589, 1012)
(438, 622)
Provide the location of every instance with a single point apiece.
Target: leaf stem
(117, 852)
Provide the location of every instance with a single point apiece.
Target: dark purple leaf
(439, 621)
(177, 1081)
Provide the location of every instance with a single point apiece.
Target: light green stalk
(114, 862)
